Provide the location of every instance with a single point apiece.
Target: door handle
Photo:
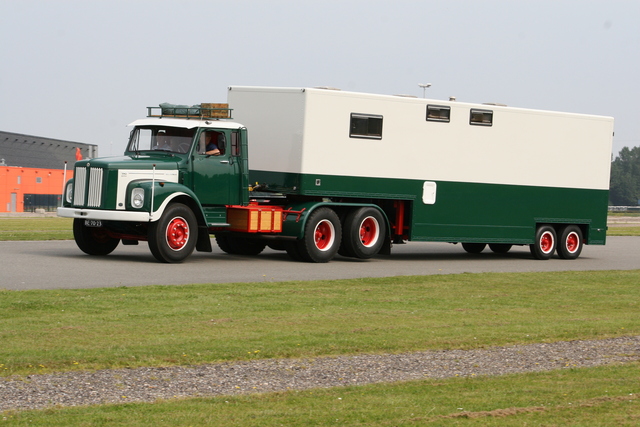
(226, 162)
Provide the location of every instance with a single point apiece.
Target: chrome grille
(79, 186)
(94, 197)
(90, 194)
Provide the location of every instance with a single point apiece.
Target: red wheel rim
(369, 231)
(573, 242)
(546, 242)
(324, 235)
(177, 233)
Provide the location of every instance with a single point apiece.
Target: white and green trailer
(319, 172)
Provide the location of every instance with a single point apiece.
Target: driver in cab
(212, 143)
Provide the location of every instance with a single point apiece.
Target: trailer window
(438, 113)
(481, 117)
(365, 126)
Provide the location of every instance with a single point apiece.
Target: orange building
(32, 170)
(28, 189)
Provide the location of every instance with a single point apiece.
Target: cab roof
(186, 123)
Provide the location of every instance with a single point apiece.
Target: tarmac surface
(60, 264)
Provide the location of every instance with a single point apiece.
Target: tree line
(624, 188)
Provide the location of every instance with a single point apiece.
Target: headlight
(68, 193)
(137, 198)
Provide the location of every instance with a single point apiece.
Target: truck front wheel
(93, 240)
(322, 236)
(173, 237)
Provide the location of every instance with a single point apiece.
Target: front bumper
(105, 215)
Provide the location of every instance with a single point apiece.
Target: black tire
(363, 233)
(240, 245)
(545, 243)
(322, 236)
(570, 242)
(250, 247)
(500, 248)
(293, 251)
(173, 237)
(474, 248)
(224, 243)
(93, 240)
(277, 246)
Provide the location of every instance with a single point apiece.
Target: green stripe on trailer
(462, 212)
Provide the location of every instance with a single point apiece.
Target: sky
(83, 70)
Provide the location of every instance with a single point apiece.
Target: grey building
(32, 170)
(30, 151)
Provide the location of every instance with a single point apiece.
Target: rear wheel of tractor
(173, 237)
(322, 236)
(93, 240)
(474, 248)
(500, 248)
(545, 243)
(363, 234)
(570, 242)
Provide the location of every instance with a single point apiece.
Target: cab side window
(213, 143)
(235, 143)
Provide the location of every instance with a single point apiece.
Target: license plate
(92, 223)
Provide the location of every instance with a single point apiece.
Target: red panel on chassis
(255, 218)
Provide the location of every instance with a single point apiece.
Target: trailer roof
(406, 99)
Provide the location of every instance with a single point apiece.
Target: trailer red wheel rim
(369, 231)
(573, 242)
(546, 242)
(177, 233)
(324, 235)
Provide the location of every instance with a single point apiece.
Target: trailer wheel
(500, 248)
(545, 243)
(93, 240)
(363, 234)
(322, 236)
(173, 237)
(570, 243)
(474, 248)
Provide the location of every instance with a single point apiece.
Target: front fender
(163, 193)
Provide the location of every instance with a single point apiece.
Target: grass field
(47, 228)
(57, 330)
(605, 396)
(49, 330)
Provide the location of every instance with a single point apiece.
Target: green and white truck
(318, 172)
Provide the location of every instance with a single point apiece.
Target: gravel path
(149, 384)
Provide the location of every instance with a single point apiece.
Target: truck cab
(166, 164)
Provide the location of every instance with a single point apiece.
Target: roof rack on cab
(198, 111)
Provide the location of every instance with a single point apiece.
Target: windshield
(161, 138)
